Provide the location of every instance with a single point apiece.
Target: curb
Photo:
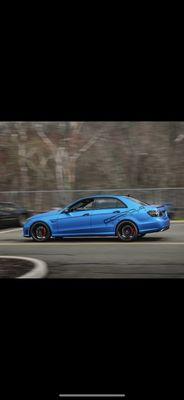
(39, 270)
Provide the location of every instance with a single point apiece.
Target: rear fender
(125, 220)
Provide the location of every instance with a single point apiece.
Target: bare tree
(21, 137)
(57, 154)
(65, 163)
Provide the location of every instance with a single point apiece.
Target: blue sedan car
(109, 215)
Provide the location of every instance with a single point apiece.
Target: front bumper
(26, 231)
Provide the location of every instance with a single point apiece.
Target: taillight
(153, 213)
(163, 213)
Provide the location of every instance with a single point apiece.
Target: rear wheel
(127, 231)
(40, 232)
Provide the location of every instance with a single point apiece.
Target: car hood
(47, 214)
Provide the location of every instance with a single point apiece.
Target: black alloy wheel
(40, 232)
(127, 231)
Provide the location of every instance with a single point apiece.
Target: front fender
(42, 222)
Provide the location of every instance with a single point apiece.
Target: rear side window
(103, 203)
(138, 201)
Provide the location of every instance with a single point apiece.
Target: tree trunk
(22, 162)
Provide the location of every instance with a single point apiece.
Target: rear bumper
(164, 229)
(157, 225)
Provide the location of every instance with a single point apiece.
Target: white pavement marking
(11, 230)
(91, 395)
(83, 244)
(39, 269)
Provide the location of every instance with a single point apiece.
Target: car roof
(96, 196)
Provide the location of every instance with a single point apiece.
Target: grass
(177, 219)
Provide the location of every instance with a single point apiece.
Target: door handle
(85, 215)
(116, 212)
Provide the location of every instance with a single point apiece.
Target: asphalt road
(159, 255)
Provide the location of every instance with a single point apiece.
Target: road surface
(159, 255)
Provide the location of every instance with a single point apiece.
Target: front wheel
(127, 232)
(40, 232)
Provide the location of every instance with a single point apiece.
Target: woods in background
(87, 155)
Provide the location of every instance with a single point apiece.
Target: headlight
(153, 213)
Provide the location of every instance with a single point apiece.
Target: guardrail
(40, 200)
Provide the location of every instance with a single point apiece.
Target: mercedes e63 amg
(109, 215)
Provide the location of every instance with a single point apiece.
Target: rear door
(104, 215)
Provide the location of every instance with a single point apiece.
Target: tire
(40, 232)
(127, 231)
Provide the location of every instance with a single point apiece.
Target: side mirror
(66, 211)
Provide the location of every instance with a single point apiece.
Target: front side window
(86, 204)
(104, 203)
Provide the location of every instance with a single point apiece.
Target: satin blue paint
(100, 222)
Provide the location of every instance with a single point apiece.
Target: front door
(74, 223)
(77, 221)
